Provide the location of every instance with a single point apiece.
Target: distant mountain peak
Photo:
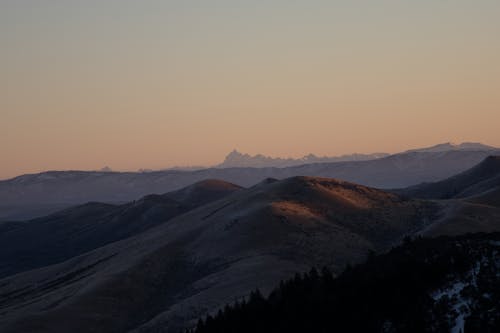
(106, 169)
(234, 152)
(449, 146)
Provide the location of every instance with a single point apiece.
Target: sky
(154, 84)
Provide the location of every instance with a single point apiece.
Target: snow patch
(461, 305)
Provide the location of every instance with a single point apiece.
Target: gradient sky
(152, 84)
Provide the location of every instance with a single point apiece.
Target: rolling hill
(71, 232)
(171, 274)
(469, 200)
(36, 195)
(476, 181)
(165, 277)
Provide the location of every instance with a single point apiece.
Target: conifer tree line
(388, 293)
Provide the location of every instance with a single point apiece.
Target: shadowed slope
(471, 200)
(203, 192)
(169, 275)
(60, 236)
(427, 285)
(475, 181)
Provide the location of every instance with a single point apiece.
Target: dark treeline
(389, 293)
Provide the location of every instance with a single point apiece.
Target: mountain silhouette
(165, 277)
(36, 195)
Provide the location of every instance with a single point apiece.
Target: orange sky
(152, 84)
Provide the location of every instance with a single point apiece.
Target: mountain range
(235, 159)
(36, 195)
(184, 256)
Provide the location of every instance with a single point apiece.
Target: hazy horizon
(194, 166)
(156, 84)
